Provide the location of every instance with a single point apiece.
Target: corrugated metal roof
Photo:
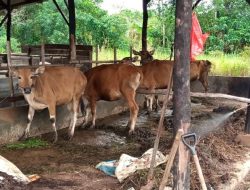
(16, 3)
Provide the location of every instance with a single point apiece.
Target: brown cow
(112, 82)
(156, 75)
(129, 59)
(146, 56)
(47, 87)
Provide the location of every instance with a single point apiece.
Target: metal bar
(181, 88)
(3, 20)
(59, 9)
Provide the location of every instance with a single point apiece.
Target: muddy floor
(71, 164)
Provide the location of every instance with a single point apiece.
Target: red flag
(197, 38)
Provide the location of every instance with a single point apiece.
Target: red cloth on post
(197, 38)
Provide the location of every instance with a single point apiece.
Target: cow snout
(27, 90)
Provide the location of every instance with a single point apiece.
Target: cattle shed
(13, 108)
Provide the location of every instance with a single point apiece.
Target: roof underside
(16, 3)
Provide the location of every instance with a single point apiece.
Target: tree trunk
(181, 87)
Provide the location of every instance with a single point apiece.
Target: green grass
(29, 143)
(222, 64)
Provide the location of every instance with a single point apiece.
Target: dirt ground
(71, 165)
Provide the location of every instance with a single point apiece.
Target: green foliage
(227, 22)
(29, 143)
(15, 45)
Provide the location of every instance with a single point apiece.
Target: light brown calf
(156, 75)
(47, 87)
(112, 82)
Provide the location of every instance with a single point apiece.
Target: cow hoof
(23, 137)
(69, 137)
(131, 132)
(55, 139)
(92, 126)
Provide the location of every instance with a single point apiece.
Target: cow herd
(47, 87)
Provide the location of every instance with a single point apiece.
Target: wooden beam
(66, 4)
(181, 88)
(60, 11)
(247, 125)
(3, 4)
(219, 95)
(196, 4)
(3, 20)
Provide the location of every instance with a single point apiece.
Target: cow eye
(33, 76)
(19, 77)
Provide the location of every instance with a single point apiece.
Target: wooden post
(115, 55)
(42, 53)
(96, 54)
(144, 24)
(181, 88)
(72, 29)
(247, 125)
(130, 52)
(8, 47)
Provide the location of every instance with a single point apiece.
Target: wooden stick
(160, 126)
(171, 157)
(198, 167)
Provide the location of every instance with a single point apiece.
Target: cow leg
(151, 100)
(156, 103)
(86, 117)
(130, 97)
(75, 111)
(52, 115)
(204, 84)
(93, 112)
(30, 118)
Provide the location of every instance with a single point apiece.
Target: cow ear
(13, 72)
(136, 52)
(151, 52)
(40, 70)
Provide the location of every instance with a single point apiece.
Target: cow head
(146, 56)
(27, 77)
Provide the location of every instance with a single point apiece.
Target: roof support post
(72, 29)
(181, 87)
(8, 45)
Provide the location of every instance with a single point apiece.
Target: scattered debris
(10, 169)
(127, 165)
